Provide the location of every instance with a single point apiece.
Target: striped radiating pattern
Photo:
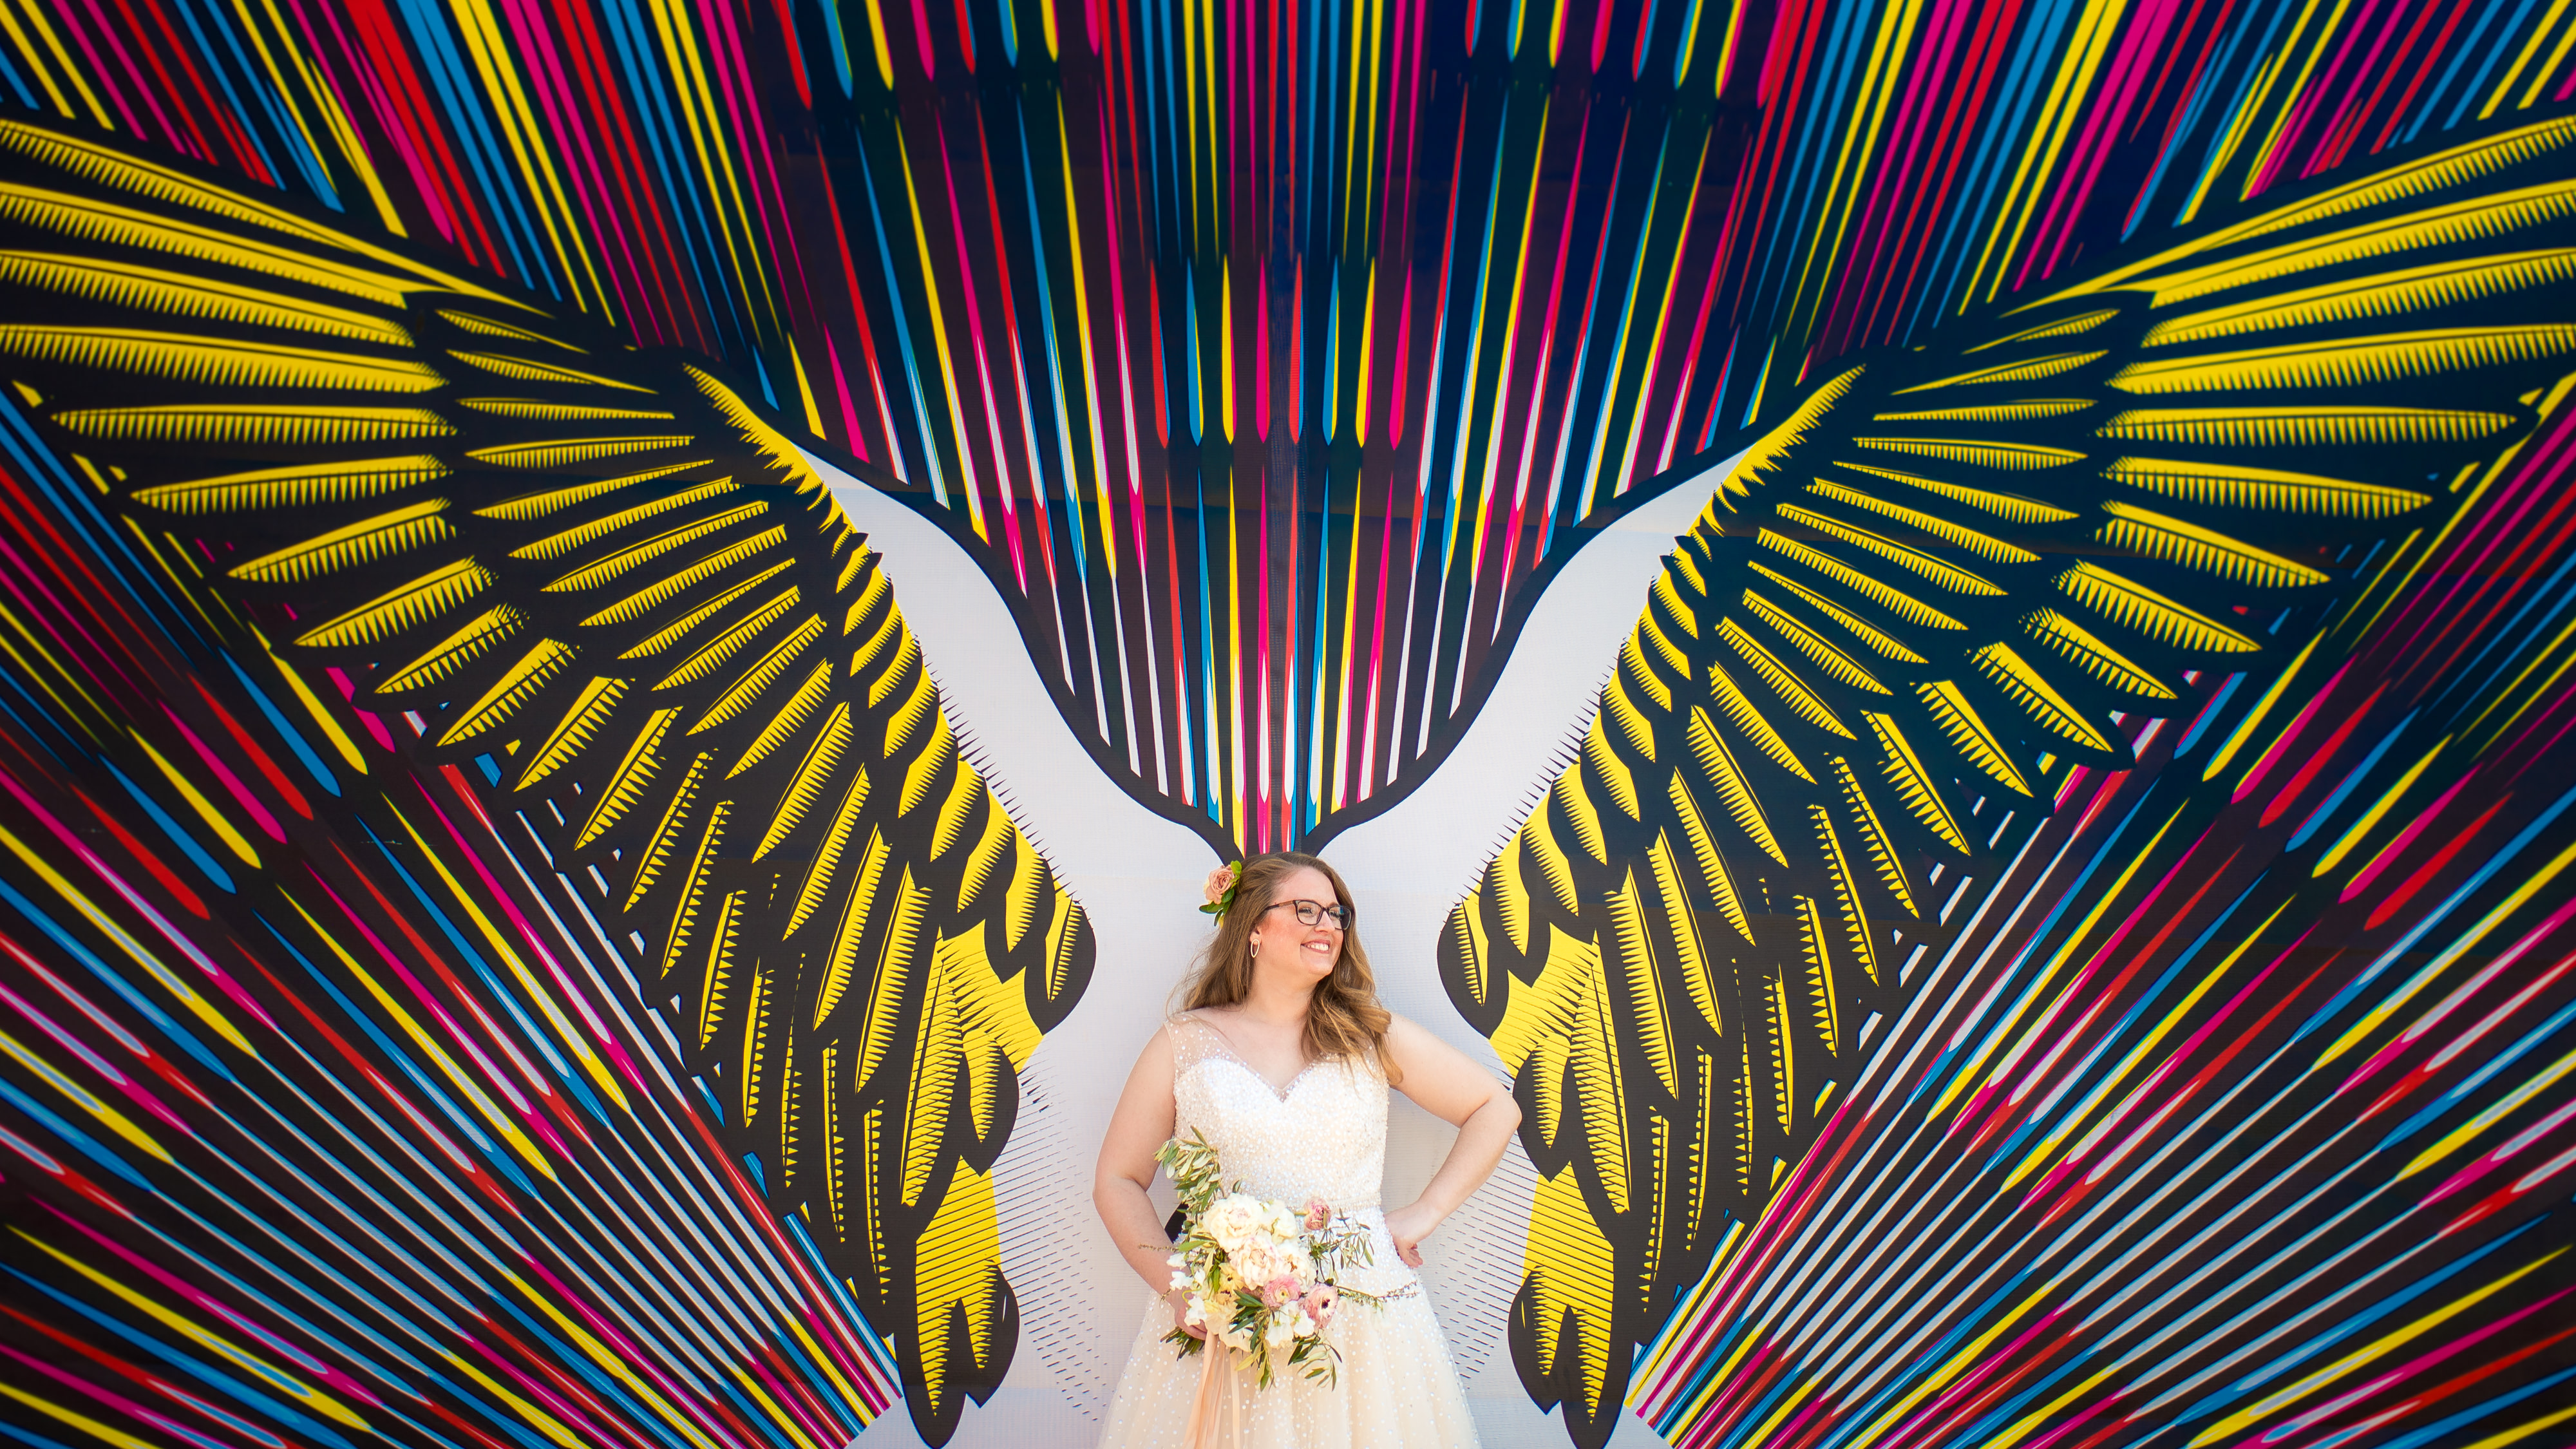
(1271, 353)
(1268, 357)
(331, 1114)
(1951, 587)
(616, 586)
(2235, 1108)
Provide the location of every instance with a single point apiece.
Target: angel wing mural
(1907, 616)
(604, 581)
(585, 814)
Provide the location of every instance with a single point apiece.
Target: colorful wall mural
(1944, 630)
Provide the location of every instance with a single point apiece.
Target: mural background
(1272, 423)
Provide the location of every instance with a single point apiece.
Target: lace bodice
(1324, 1137)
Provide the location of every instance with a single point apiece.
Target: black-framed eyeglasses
(1313, 912)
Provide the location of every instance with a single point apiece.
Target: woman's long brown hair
(1344, 1018)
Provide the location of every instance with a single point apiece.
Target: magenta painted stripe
(2486, 975)
(232, 782)
(1995, 1359)
(679, 1395)
(555, 1403)
(608, 1043)
(455, 1034)
(113, 1400)
(2180, 1056)
(992, 403)
(2077, 989)
(2262, 766)
(2499, 529)
(2395, 850)
(207, 1304)
(2406, 1370)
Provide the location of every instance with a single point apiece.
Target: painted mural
(1943, 629)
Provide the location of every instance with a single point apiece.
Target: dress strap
(1193, 1041)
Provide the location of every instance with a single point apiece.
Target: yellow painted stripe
(2290, 100)
(2397, 999)
(2254, 718)
(1106, 505)
(2137, 1054)
(46, 676)
(2048, 136)
(1869, 117)
(82, 1422)
(1968, 1070)
(205, 808)
(2530, 48)
(2242, 122)
(268, 1373)
(1940, 1378)
(335, 118)
(677, 29)
(1511, 339)
(44, 73)
(202, 1008)
(2520, 1432)
(1662, 324)
(613, 1363)
(457, 1076)
(304, 695)
(779, 1418)
(116, 1121)
(939, 338)
(2367, 1353)
(2362, 827)
(572, 1039)
(805, 390)
(2548, 1077)
(547, 1424)
(850, 1396)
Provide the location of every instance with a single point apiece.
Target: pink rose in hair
(1220, 882)
(1319, 1214)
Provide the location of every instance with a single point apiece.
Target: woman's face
(1302, 954)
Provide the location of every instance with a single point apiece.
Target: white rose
(1233, 1221)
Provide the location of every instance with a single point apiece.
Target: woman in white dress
(1283, 1061)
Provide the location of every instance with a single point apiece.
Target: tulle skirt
(1397, 1389)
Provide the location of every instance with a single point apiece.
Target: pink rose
(1219, 882)
(1319, 1304)
(1279, 1292)
(1319, 1214)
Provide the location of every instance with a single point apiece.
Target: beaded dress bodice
(1325, 1136)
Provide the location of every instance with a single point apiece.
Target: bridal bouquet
(1260, 1273)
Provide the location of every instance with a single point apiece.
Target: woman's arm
(1444, 1082)
(1139, 1127)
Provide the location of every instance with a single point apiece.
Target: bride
(1283, 1060)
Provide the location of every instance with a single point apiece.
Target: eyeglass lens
(1309, 912)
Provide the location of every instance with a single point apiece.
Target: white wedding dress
(1324, 1137)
